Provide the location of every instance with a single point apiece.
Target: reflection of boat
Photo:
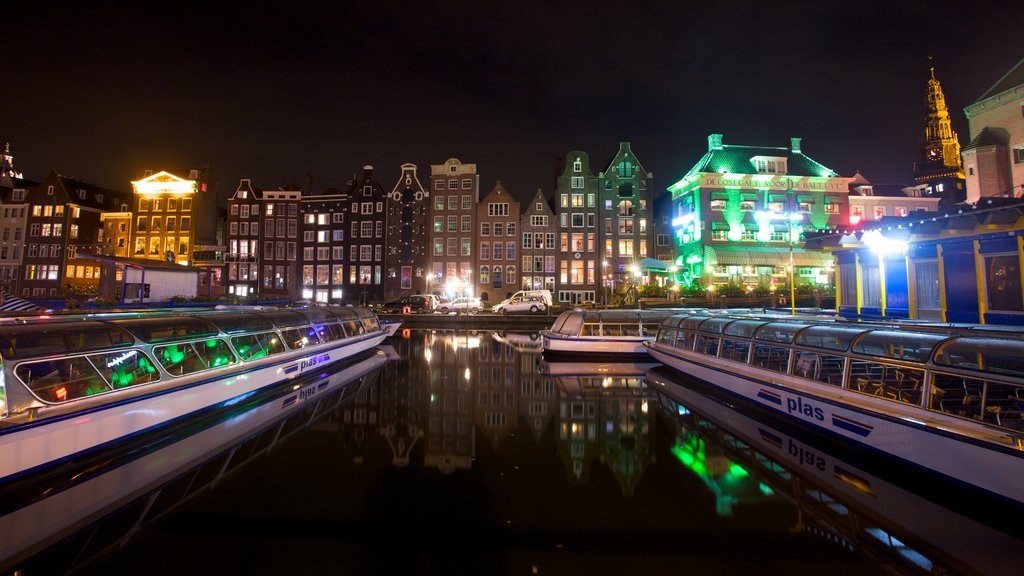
(89, 385)
(390, 326)
(523, 341)
(141, 486)
(940, 400)
(568, 368)
(879, 517)
(603, 332)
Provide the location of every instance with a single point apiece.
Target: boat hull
(924, 441)
(607, 346)
(32, 446)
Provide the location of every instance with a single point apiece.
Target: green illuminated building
(739, 214)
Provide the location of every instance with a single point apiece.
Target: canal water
(468, 453)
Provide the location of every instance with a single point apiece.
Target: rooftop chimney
(714, 142)
(794, 145)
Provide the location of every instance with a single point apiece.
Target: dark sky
(104, 90)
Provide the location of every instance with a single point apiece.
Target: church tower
(7, 164)
(939, 169)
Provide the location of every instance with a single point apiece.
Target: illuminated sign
(164, 183)
(119, 359)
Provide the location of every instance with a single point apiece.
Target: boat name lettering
(799, 406)
(313, 361)
(306, 393)
(805, 457)
(117, 360)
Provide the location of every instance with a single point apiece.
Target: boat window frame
(143, 328)
(896, 335)
(58, 332)
(852, 332)
(941, 350)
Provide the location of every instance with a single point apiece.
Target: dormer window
(769, 164)
(81, 194)
(577, 165)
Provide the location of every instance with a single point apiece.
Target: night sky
(103, 90)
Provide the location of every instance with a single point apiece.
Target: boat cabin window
(782, 332)
(825, 368)
(188, 357)
(125, 368)
(897, 345)
(667, 336)
(235, 323)
(353, 327)
(714, 325)
(983, 354)
(649, 329)
(154, 330)
(62, 379)
(693, 322)
(302, 337)
(986, 400)
(317, 315)
(60, 338)
(775, 358)
(828, 337)
(285, 318)
(345, 313)
(371, 324)
(256, 346)
(707, 345)
(743, 328)
(737, 350)
(899, 383)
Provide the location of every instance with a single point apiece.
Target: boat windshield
(568, 323)
(60, 338)
(911, 346)
(985, 354)
(828, 337)
(782, 332)
(692, 322)
(165, 329)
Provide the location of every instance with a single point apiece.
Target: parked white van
(544, 295)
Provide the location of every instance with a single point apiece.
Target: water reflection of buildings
(605, 419)
(746, 460)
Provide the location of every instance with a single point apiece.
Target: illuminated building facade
(64, 217)
(579, 277)
(962, 268)
(939, 167)
(539, 251)
(367, 220)
(279, 236)
(322, 250)
(408, 206)
(498, 258)
(455, 191)
(627, 213)
(738, 213)
(871, 202)
(14, 208)
(994, 159)
(243, 240)
(116, 234)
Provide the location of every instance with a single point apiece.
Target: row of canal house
(371, 243)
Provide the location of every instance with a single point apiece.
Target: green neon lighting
(765, 489)
(737, 470)
(733, 215)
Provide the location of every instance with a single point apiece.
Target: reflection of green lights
(211, 343)
(173, 354)
(765, 489)
(737, 470)
(691, 454)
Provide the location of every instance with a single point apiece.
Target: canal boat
(38, 519)
(73, 385)
(617, 333)
(861, 503)
(944, 400)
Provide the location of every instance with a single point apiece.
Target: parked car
(465, 305)
(519, 305)
(416, 303)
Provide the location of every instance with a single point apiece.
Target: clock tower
(939, 168)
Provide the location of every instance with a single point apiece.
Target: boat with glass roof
(75, 384)
(611, 332)
(945, 399)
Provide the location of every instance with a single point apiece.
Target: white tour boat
(603, 332)
(74, 385)
(946, 401)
